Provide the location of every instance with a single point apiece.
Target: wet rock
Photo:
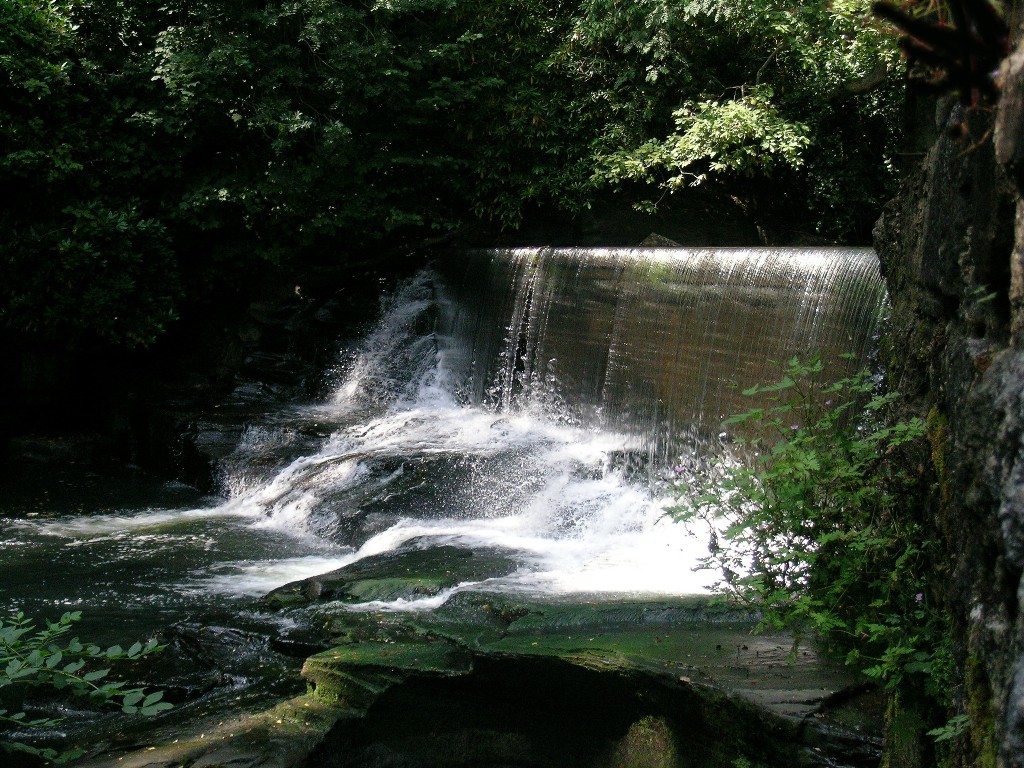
(537, 711)
(788, 712)
(654, 240)
(490, 679)
(543, 707)
(951, 247)
(198, 658)
(404, 575)
(280, 737)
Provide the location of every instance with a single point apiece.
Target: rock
(281, 737)
(1009, 128)
(650, 742)
(489, 680)
(425, 572)
(654, 240)
(498, 680)
(952, 249)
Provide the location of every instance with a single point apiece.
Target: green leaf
(66, 757)
(955, 727)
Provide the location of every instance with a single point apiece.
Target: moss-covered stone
(704, 677)
(981, 714)
(649, 743)
(904, 736)
(950, 248)
(405, 575)
(548, 711)
(280, 737)
(354, 675)
(938, 435)
(517, 681)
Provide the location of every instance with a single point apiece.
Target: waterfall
(534, 400)
(531, 401)
(654, 342)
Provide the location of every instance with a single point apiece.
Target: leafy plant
(745, 135)
(49, 658)
(789, 104)
(956, 727)
(811, 524)
(178, 153)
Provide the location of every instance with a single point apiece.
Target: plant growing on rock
(48, 658)
(811, 525)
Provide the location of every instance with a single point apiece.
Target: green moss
(937, 427)
(395, 575)
(355, 673)
(389, 589)
(981, 713)
(692, 661)
(904, 735)
(293, 597)
(649, 743)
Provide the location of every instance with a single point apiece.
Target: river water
(534, 401)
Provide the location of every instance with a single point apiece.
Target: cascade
(513, 423)
(655, 342)
(527, 401)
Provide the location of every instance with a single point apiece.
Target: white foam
(258, 577)
(580, 528)
(525, 482)
(98, 526)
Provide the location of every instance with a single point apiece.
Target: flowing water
(531, 400)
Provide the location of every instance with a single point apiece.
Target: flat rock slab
(690, 638)
(408, 575)
(280, 737)
(489, 679)
(509, 680)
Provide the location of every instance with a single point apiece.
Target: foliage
(746, 135)
(169, 152)
(49, 658)
(81, 254)
(953, 729)
(793, 93)
(814, 525)
(498, 110)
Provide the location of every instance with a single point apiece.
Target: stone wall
(952, 249)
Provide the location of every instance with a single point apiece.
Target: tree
(792, 97)
(174, 153)
(81, 252)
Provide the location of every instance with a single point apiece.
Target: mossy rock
(429, 705)
(514, 680)
(405, 575)
(650, 742)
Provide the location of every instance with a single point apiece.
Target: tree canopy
(160, 151)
